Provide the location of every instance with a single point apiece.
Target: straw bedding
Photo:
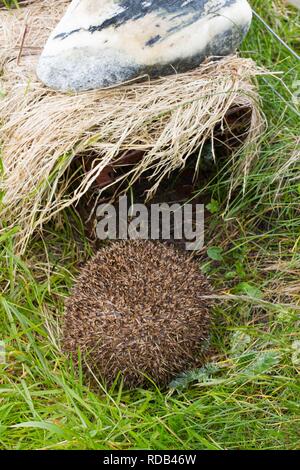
(167, 120)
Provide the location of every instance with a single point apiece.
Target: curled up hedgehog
(138, 310)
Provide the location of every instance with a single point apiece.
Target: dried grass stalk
(42, 130)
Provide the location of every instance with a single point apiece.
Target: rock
(295, 3)
(100, 43)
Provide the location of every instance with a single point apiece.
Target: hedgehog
(139, 310)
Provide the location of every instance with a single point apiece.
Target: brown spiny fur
(137, 309)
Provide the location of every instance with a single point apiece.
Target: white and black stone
(100, 43)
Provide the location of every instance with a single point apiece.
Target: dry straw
(42, 130)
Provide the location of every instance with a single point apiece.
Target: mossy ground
(248, 395)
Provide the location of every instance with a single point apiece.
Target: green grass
(248, 395)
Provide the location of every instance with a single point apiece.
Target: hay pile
(42, 131)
